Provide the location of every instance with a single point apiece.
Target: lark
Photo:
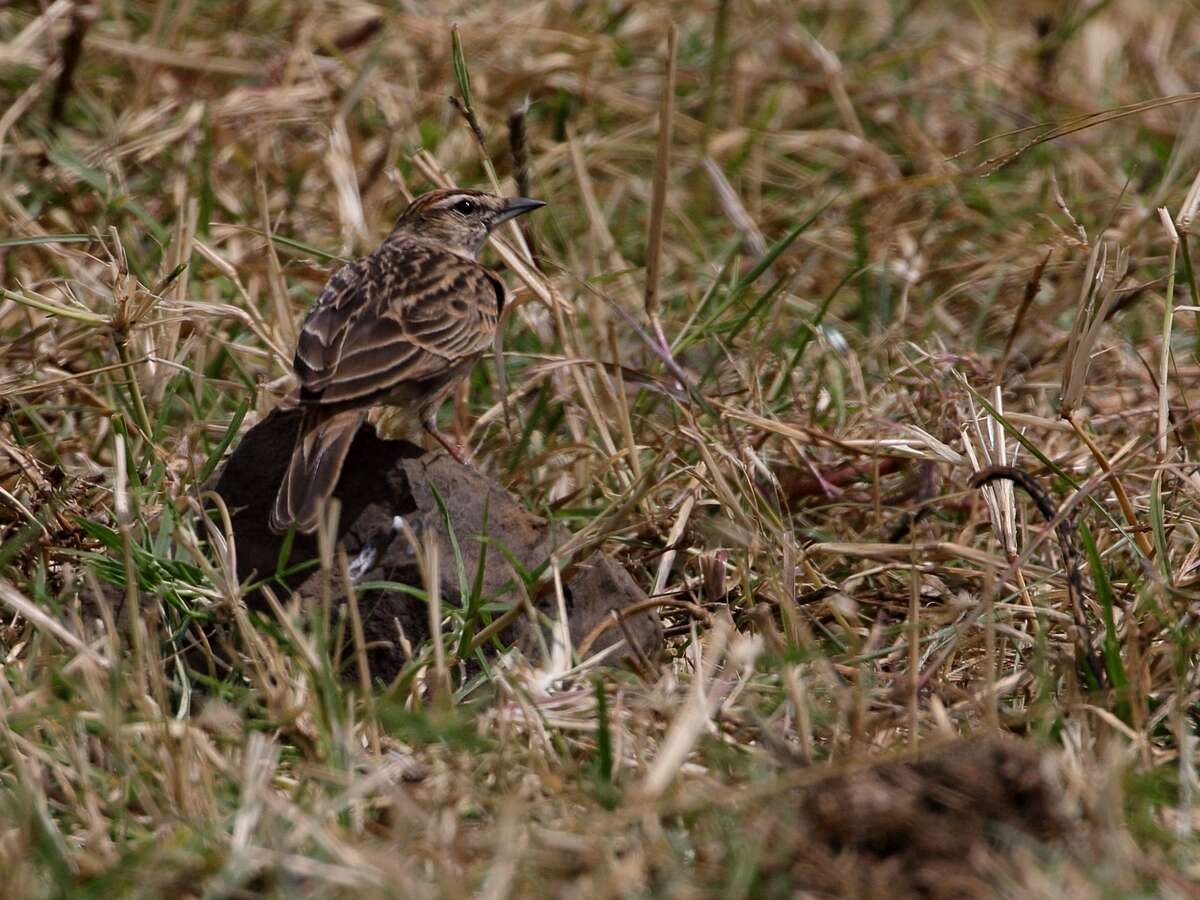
(401, 327)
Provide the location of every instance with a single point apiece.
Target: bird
(402, 327)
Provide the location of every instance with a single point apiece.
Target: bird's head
(459, 219)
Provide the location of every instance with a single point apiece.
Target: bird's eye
(465, 207)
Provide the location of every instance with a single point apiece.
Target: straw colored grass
(806, 268)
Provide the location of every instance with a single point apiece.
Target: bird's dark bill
(517, 206)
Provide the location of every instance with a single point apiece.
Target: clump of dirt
(391, 489)
(936, 826)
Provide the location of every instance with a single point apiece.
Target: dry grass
(886, 245)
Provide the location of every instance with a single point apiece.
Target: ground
(806, 268)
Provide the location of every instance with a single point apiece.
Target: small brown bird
(401, 327)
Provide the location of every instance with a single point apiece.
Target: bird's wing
(405, 313)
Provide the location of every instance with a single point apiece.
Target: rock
(391, 489)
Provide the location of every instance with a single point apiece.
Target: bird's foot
(461, 455)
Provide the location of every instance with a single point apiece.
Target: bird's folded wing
(406, 313)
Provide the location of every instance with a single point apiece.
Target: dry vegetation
(884, 244)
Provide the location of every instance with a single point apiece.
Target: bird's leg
(431, 428)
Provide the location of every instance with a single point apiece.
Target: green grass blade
(1113, 664)
(214, 458)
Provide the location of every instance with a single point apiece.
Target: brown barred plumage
(401, 327)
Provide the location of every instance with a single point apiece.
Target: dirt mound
(936, 826)
(390, 487)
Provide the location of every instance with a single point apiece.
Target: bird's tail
(322, 442)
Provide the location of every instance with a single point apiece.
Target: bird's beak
(516, 206)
